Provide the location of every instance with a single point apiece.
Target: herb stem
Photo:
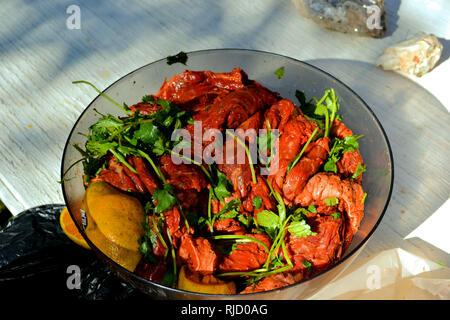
(103, 95)
(121, 159)
(209, 211)
(297, 158)
(247, 153)
(194, 162)
(155, 168)
(240, 238)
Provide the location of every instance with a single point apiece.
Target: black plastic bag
(36, 258)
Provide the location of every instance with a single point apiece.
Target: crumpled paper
(393, 274)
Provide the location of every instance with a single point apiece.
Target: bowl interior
(259, 66)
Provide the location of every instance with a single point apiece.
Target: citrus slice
(70, 229)
(114, 223)
(195, 282)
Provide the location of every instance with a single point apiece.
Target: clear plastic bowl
(260, 66)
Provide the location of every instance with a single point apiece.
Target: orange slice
(70, 229)
(194, 282)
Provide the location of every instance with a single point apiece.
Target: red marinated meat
(293, 135)
(198, 254)
(315, 155)
(144, 174)
(152, 272)
(321, 250)
(228, 226)
(145, 108)
(349, 194)
(182, 176)
(347, 165)
(187, 179)
(247, 256)
(273, 282)
(116, 176)
(191, 85)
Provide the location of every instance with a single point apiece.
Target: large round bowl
(260, 66)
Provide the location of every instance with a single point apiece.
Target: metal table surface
(40, 57)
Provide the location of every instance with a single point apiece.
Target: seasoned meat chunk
(349, 194)
(198, 254)
(247, 256)
(321, 250)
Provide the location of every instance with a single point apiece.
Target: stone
(358, 17)
(415, 56)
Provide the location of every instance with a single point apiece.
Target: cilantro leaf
(147, 242)
(164, 198)
(246, 220)
(307, 264)
(336, 215)
(300, 229)
(279, 72)
(257, 202)
(180, 57)
(222, 186)
(332, 201)
(269, 221)
(148, 99)
(348, 144)
(364, 198)
(359, 170)
(99, 148)
(230, 210)
(312, 209)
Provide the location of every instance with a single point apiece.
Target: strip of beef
(187, 179)
(247, 256)
(294, 133)
(121, 177)
(228, 226)
(261, 190)
(188, 87)
(233, 109)
(145, 108)
(279, 114)
(235, 163)
(198, 253)
(144, 174)
(315, 155)
(272, 282)
(349, 194)
(140, 186)
(347, 165)
(321, 250)
(116, 176)
(152, 272)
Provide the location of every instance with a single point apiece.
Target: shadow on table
(445, 51)
(114, 27)
(415, 122)
(392, 17)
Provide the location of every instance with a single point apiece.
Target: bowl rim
(255, 294)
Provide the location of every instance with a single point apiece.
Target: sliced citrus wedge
(70, 229)
(194, 282)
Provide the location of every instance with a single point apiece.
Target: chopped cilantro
(164, 198)
(279, 72)
(336, 215)
(257, 202)
(359, 170)
(180, 57)
(308, 265)
(331, 201)
(300, 229)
